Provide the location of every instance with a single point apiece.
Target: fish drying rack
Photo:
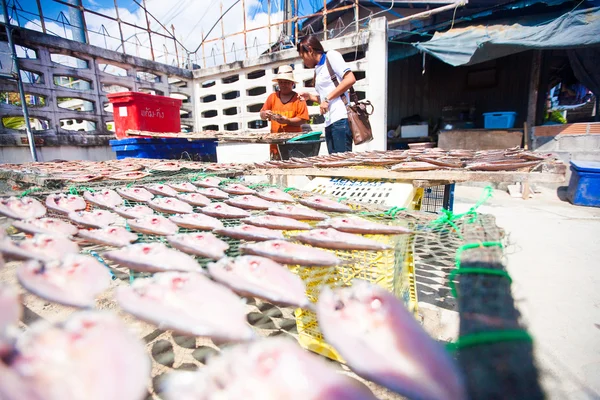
(418, 266)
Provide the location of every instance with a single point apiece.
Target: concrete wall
(87, 66)
(225, 98)
(579, 141)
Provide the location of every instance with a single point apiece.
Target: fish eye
(339, 305)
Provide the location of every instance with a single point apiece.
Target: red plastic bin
(144, 112)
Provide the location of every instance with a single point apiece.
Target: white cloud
(190, 18)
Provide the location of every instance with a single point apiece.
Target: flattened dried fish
(188, 303)
(257, 371)
(277, 195)
(21, 208)
(166, 167)
(222, 210)
(261, 277)
(153, 225)
(65, 203)
(322, 203)
(415, 166)
(213, 193)
(135, 194)
(251, 233)
(106, 198)
(170, 205)
(398, 354)
(203, 244)
(208, 182)
(90, 356)
(52, 226)
(363, 226)
(291, 253)
(40, 247)
(115, 236)
(128, 175)
(195, 199)
(162, 190)
(196, 221)
(249, 202)
(332, 239)
(94, 218)
(183, 187)
(133, 212)
(274, 222)
(297, 212)
(74, 281)
(153, 257)
(237, 189)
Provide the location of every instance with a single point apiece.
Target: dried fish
(222, 210)
(135, 194)
(195, 199)
(291, 253)
(74, 281)
(153, 225)
(21, 208)
(65, 203)
(332, 239)
(40, 247)
(187, 303)
(203, 244)
(115, 236)
(94, 218)
(170, 205)
(363, 226)
(277, 195)
(52, 226)
(398, 354)
(249, 202)
(208, 182)
(133, 212)
(274, 222)
(297, 212)
(322, 203)
(153, 257)
(183, 187)
(196, 221)
(106, 198)
(237, 189)
(213, 193)
(162, 190)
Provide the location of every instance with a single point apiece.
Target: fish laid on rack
(362, 226)
(65, 203)
(249, 202)
(128, 166)
(161, 190)
(250, 233)
(196, 221)
(183, 187)
(208, 182)
(399, 354)
(133, 212)
(115, 236)
(297, 212)
(153, 225)
(237, 189)
(40, 247)
(11, 310)
(195, 199)
(291, 253)
(193, 165)
(274, 222)
(187, 303)
(501, 165)
(153, 257)
(53, 226)
(415, 166)
(337, 164)
(128, 175)
(222, 210)
(166, 167)
(75, 280)
(273, 368)
(92, 355)
(448, 162)
(213, 193)
(84, 178)
(170, 205)
(277, 195)
(106, 198)
(325, 204)
(94, 218)
(203, 244)
(21, 208)
(332, 239)
(261, 277)
(135, 194)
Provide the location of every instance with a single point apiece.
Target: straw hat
(285, 72)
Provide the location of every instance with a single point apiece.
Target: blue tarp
(479, 43)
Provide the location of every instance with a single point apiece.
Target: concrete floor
(553, 257)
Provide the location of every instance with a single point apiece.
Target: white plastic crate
(365, 191)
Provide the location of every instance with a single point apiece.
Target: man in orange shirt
(283, 108)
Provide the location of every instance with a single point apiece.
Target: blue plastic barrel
(166, 148)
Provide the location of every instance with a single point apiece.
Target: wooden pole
(39, 6)
(269, 21)
(149, 31)
(175, 43)
(534, 79)
(245, 39)
(324, 19)
(223, 36)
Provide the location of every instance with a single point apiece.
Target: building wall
(410, 91)
(94, 84)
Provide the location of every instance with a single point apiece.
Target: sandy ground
(553, 257)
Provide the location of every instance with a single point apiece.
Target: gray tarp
(475, 44)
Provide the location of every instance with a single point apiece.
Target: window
(233, 126)
(79, 125)
(208, 99)
(208, 84)
(231, 111)
(231, 95)
(257, 124)
(74, 104)
(230, 79)
(14, 99)
(254, 107)
(69, 61)
(209, 114)
(147, 76)
(112, 70)
(112, 88)
(210, 128)
(31, 77)
(257, 91)
(256, 74)
(18, 123)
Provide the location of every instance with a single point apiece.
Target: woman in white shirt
(337, 131)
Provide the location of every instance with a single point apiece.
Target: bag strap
(335, 81)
